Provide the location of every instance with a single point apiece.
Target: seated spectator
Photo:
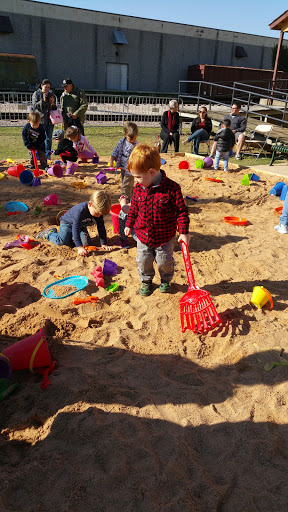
(200, 129)
(238, 127)
(170, 127)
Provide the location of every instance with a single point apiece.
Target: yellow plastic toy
(260, 297)
(79, 184)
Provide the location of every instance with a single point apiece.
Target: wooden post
(277, 61)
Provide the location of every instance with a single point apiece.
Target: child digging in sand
(33, 135)
(80, 143)
(121, 154)
(157, 209)
(73, 224)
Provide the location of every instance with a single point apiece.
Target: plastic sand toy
(112, 288)
(77, 282)
(236, 221)
(79, 184)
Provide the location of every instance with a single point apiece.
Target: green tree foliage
(283, 61)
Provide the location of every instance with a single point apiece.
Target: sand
(140, 416)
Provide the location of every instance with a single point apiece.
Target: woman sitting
(169, 127)
(200, 129)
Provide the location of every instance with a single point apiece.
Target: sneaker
(146, 288)
(211, 156)
(215, 168)
(43, 234)
(282, 229)
(165, 286)
(238, 156)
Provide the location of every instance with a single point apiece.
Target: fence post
(199, 90)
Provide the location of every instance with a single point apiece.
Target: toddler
(121, 154)
(73, 224)
(33, 135)
(225, 141)
(157, 209)
(80, 143)
(65, 148)
(282, 227)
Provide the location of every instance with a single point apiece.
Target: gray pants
(163, 255)
(127, 184)
(42, 158)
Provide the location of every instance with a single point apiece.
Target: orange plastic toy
(92, 299)
(236, 221)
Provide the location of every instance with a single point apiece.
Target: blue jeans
(225, 157)
(48, 142)
(64, 235)
(284, 217)
(198, 136)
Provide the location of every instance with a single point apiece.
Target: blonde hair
(143, 158)
(72, 132)
(34, 117)
(130, 130)
(101, 201)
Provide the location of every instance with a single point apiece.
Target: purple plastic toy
(101, 177)
(208, 162)
(95, 159)
(23, 239)
(36, 182)
(109, 267)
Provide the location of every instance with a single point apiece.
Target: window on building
(116, 77)
(5, 25)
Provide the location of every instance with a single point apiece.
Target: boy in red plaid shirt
(157, 209)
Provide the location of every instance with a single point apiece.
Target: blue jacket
(78, 216)
(34, 137)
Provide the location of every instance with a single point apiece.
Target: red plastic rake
(196, 306)
(36, 171)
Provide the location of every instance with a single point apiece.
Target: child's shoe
(146, 288)
(43, 234)
(165, 286)
(282, 229)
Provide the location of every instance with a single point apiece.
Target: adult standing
(238, 127)
(44, 100)
(200, 129)
(73, 105)
(170, 127)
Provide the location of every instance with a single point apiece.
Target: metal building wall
(157, 55)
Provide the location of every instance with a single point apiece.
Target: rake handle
(35, 162)
(188, 265)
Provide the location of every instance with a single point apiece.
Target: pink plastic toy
(98, 276)
(52, 199)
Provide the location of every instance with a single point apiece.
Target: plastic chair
(253, 142)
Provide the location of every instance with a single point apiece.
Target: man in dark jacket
(225, 140)
(73, 105)
(238, 127)
(170, 127)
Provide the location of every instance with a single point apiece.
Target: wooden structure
(280, 23)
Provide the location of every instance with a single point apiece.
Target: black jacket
(44, 107)
(197, 121)
(66, 151)
(164, 123)
(225, 140)
(34, 137)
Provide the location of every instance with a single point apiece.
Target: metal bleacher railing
(103, 109)
(257, 102)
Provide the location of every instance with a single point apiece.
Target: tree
(283, 60)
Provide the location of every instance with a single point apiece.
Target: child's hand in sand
(184, 238)
(106, 247)
(127, 231)
(82, 251)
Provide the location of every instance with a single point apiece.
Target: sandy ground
(140, 416)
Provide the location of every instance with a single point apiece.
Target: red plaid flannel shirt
(156, 211)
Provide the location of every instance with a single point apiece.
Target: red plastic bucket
(184, 164)
(29, 353)
(115, 210)
(15, 171)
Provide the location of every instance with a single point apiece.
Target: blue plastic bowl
(16, 206)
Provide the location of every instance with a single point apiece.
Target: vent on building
(119, 37)
(240, 52)
(5, 25)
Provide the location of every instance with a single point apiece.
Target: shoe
(165, 286)
(238, 156)
(215, 168)
(124, 244)
(43, 234)
(146, 288)
(46, 168)
(211, 156)
(282, 229)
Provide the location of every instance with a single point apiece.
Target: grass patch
(103, 139)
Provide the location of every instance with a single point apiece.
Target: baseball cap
(67, 81)
(58, 134)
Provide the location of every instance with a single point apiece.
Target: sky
(248, 16)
